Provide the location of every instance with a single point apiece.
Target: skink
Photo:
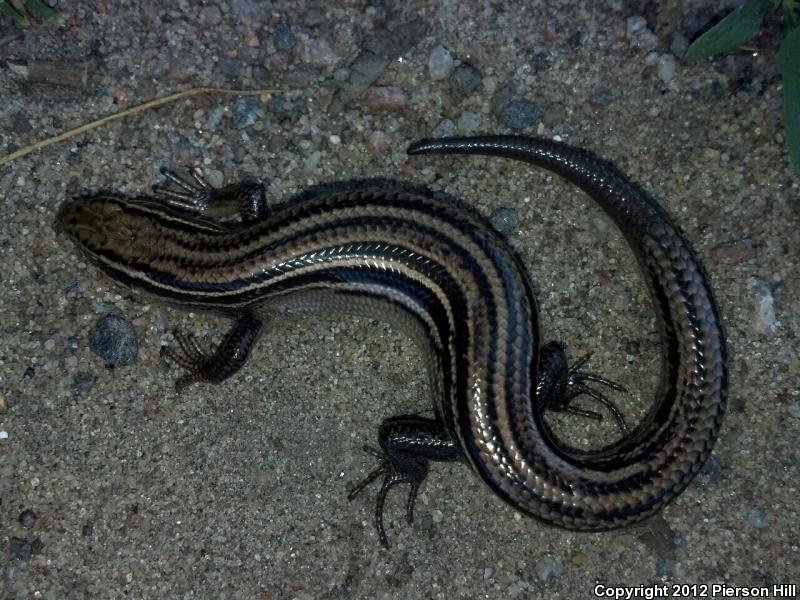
(430, 263)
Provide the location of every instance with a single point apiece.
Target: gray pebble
(113, 339)
(320, 53)
(440, 63)
(794, 410)
(464, 80)
(710, 472)
(230, 67)
(283, 37)
(27, 518)
(445, 129)
(21, 548)
(214, 116)
(518, 114)
(211, 15)
(757, 518)
(505, 220)
(679, 45)
(82, 384)
(733, 253)
(763, 320)
(378, 141)
(639, 35)
(548, 569)
(666, 67)
(245, 111)
(488, 573)
(385, 98)
(468, 122)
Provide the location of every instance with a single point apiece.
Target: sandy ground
(112, 485)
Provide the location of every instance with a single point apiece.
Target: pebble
(445, 128)
(113, 339)
(710, 472)
(21, 548)
(231, 67)
(548, 569)
(488, 573)
(385, 98)
(440, 63)
(733, 253)
(464, 80)
(82, 384)
(27, 518)
(378, 141)
(468, 122)
(3, 403)
(505, 220)
(518, 114)
(679, 45)
(251, 39)
(284, 38)
(639, 35)
(763, 321)
(794, 410)
(757, 518)
(666, 67)
(320, 53)
(211, 15)
(579, 559)
(245, 111)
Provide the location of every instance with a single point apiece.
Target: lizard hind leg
(408, 444)
(559, 384)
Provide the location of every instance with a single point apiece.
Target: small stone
(763, 321)
(378, 141)
(639, 35)
(440, 63)
(469, 122)
(231, 67)
(579, 559)
(679, 45)
(710, 472)
(211, 15)
(27, 518)
(794, 410)
(21, 548)
(666, 67)
(283, 37)
(464, 80)
(505, 220)
(245, 111)
(113, 339)
(437, 516)
(548, 569)
(386, 98)
(445, 128)
(320, 53)
(251, 40)
(711, 154)
(3, 403)
(518, 114)
(733, 253)
(488, 573)
(757, 518)
(82, 384)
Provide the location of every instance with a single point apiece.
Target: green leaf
(41, 10)
(789, 67)
(734, 30)
(9, 11)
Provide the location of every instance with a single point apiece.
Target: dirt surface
(112, 485)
